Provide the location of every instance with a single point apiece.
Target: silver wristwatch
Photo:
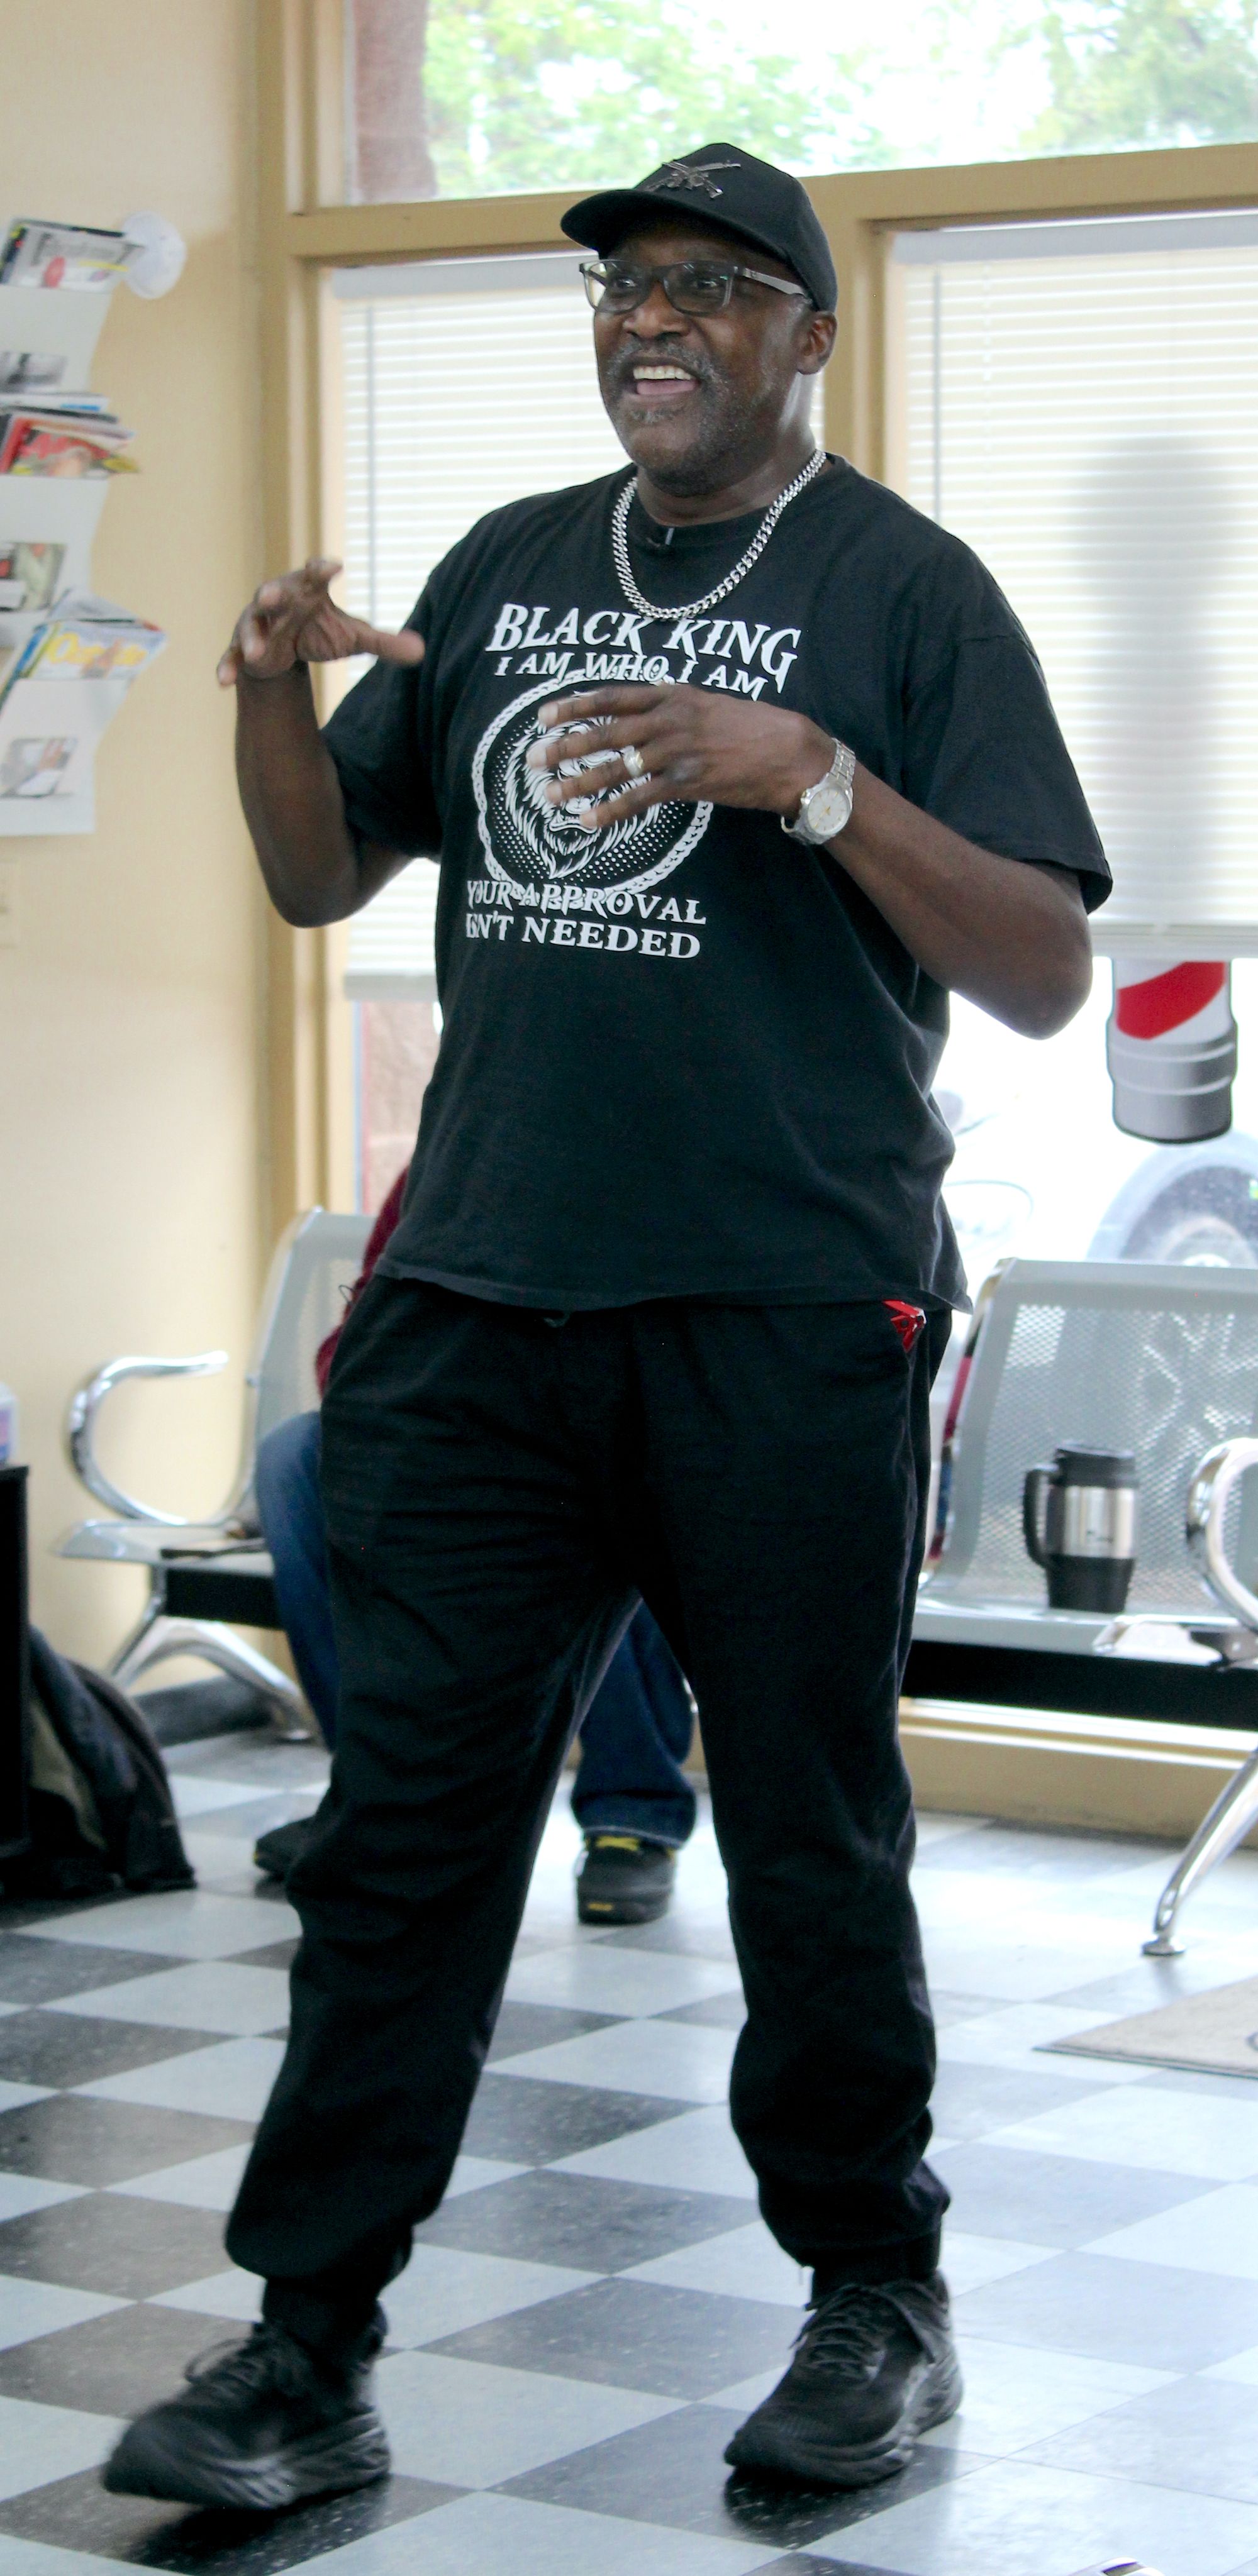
(825, 808)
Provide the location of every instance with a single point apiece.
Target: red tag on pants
(909, 1321)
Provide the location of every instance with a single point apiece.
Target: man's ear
(816, 336)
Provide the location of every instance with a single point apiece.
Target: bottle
(8, 1425)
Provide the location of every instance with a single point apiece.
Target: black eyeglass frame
(728, 271)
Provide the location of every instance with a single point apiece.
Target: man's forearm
(1011, 937)
(293, 803)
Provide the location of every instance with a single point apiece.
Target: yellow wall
(131, 1177)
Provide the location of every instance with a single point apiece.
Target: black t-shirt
(685, 1056)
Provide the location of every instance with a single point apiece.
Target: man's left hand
(696, 746)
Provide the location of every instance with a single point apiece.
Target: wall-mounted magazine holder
(49, 729)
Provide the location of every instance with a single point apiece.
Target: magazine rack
(62, 322)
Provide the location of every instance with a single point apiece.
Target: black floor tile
(525, 2026)
(68, 2137)
(803, 2562)
(587, 2221)
(39, 1972)
(1052, 2200)
(114, 2365)
(273, 1954)
(635, 2334)
(1153, 2314)
(76, 2513)
(526, 2121)
(712, 2012)
(79, 2048)
(1200, 2434)
(126, 2249)
(674, 2472)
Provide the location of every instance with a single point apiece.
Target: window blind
(468, 383)
(1081, 405)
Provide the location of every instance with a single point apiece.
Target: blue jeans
(636, 1732)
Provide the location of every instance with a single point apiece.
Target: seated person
(631, 1797)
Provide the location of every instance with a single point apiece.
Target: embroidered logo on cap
(697, 175)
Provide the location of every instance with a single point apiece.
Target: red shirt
(376, 1241)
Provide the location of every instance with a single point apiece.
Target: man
(668, 1291)
(631, 1797)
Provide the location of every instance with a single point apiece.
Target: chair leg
(1216, 1837)
(158, 1638)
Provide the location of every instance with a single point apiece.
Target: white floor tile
(970, 2262)
(233, 2080)
(1241, 2367)
(1217, 2233)
(1029, 2521)
(20, 2193)
(40, 2443)
(484, 2535)
(40, 2558)
(611, 1980)
(474, 2424)
(232, 2294)
(1013, 2035)
(680, 2060)
(475, 2173)
(187, 1923)
(14, 2097)
(209, 1994)
(1163, 2131)
(204, 2182)
(444, 2290)
(30, 2308)
(697, 2152)
(747, 2263)
(195, 1796)
(1014, 2397)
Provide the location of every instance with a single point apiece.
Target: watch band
(838, 778)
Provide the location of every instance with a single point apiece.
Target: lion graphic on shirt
(530, 843)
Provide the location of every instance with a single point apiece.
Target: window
(471, 98)
(468, 383)
(1080, 403)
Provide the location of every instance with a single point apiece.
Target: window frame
(304, 232)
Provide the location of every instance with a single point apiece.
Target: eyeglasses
(691, 285)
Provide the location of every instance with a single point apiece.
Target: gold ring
(633, 761)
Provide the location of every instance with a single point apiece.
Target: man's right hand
(295, 620)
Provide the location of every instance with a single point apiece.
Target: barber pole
(1171, 1048)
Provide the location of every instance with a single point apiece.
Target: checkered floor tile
(596, 2304)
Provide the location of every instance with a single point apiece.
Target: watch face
(828, 809)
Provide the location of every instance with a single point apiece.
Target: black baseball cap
(723, 185)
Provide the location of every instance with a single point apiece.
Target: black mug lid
(1077, 1464)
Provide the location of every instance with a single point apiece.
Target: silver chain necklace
(647, 607)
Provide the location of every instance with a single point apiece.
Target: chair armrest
(1208, 1494)
(81, 1427)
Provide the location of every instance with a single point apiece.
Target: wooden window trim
(309, 1149)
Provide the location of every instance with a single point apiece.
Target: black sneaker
(873, 2369)
(624, 1878)
(261, 2426)
(274, 1853)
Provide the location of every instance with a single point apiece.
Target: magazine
(89, 639)
(35, 444)
(74, 255)
(34, 765)
(28, 576)
(30, 371)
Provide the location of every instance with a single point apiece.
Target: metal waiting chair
(208, 1577)
(1157, 1358)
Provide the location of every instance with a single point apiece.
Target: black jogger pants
(500, 1486)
